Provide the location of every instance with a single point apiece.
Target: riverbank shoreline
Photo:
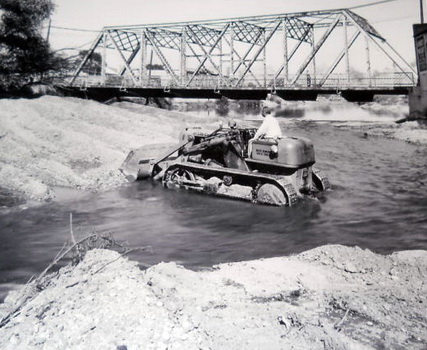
(331, 297)
(69, 142)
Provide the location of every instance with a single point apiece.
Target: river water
(378, 201)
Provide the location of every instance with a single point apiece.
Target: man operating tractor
(270, 128)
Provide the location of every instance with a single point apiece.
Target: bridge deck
(360, 88)
(308, 94)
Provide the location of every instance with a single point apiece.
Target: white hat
(269, 104)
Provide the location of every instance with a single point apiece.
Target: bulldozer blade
(139, 162)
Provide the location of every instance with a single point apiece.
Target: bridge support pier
(297, 95)
(418, 96)
(358, 96)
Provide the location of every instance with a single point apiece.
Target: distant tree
(222, 106)
(93, 64)
(155, 67)
(24, 53)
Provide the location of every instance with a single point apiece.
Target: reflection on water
(322, 110)
(221, 107)
(291, 113)
(378, 202)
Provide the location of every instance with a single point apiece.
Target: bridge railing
(384, 80)
(338, 81)
(318, 82)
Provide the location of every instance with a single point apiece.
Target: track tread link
(324, 181)
(239, 177)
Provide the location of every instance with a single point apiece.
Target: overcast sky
(392, 19)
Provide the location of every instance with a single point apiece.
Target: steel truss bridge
(296, 56)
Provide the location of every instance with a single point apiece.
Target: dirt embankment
(56, 141)
(332, 297)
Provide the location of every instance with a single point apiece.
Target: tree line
(24, 54)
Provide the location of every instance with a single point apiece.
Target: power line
(393, 19)
(373, 4)
(74, 48)
(77, 29)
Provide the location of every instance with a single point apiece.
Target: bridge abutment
(418, 95)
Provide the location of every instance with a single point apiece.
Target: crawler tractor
(277, 172)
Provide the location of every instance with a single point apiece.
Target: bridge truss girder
(228, 51)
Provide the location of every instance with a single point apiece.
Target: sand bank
(331, 297)
(69, 142)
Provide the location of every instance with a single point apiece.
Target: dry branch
(82, 246)
(337, 325)
(128, 251)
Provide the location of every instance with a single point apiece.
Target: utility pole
(421, 11)
(48, 31)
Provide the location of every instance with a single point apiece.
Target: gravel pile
(332, 297)
(68, 142)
